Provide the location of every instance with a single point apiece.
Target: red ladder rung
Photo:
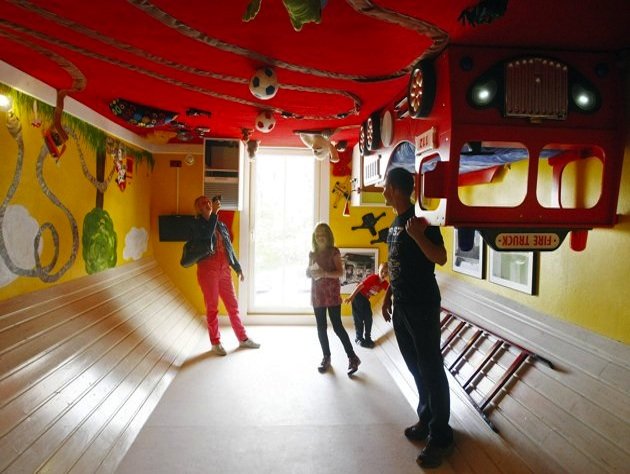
(469, 344)
(452, 335)
(493, 350)
(446, 320)
(506, 376)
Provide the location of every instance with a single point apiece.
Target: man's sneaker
(359, 340)
(249, 344)
(324, 365)
(368, 342)
(417, 432)
(218, 349)
(353, 364)
(432, 454)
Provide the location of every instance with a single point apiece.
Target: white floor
(270, 411)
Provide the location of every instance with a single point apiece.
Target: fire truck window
(578, 177)
(505, 163)
(427, 165)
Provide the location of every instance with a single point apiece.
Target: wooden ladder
(480, 361)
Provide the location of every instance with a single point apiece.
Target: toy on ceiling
(486, 11)
(193, 112)
(264, 83)
(185, 132)
(321, 145)
(55, 136)
(141, 115)
(300, 11)
(250, 144)
(265, 121)
(160, 137)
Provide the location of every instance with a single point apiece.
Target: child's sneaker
(367, 342)
(353, 364)
(324, 365)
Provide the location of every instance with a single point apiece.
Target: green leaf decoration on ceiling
(300, 11)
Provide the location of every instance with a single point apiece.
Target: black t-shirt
(411, 273)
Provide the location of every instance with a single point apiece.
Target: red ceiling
(123, 51)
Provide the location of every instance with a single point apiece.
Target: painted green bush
(99, 241)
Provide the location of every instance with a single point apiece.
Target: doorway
(284, 205)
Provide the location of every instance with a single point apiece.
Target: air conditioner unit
(223, 171)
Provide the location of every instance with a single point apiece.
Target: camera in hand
(216, 197)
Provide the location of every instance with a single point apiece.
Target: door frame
(321, 213)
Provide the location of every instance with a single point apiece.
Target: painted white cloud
(135, 243)
(19, 230)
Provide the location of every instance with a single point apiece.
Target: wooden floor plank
(76, 354)
(514, 431)
(27, 328)
(47, 296)
(104, 399)
(71, 352)
(37, 347)
(603, 395)
(578, 432)
(58, 401)
(107, 450)
(602, 424)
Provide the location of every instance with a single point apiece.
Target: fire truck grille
(536, 88)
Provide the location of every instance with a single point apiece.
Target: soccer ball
(264, 83)
(265, 121)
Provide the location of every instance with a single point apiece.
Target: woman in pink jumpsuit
(213, 274)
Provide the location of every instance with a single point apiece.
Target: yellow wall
(164, 201)
(67, 182)
(360, 238)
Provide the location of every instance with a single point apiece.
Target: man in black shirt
(414, 249)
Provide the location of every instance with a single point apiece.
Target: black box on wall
(175, 227)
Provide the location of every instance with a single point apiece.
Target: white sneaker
(218, 349)
(249, 344)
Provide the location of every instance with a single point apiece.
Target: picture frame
(514, 270)
(357, 263)
(470, 262)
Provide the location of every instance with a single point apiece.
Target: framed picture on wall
(357, 264)
(515, 270)
(469, 262)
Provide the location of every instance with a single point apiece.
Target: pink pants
(213, 275)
